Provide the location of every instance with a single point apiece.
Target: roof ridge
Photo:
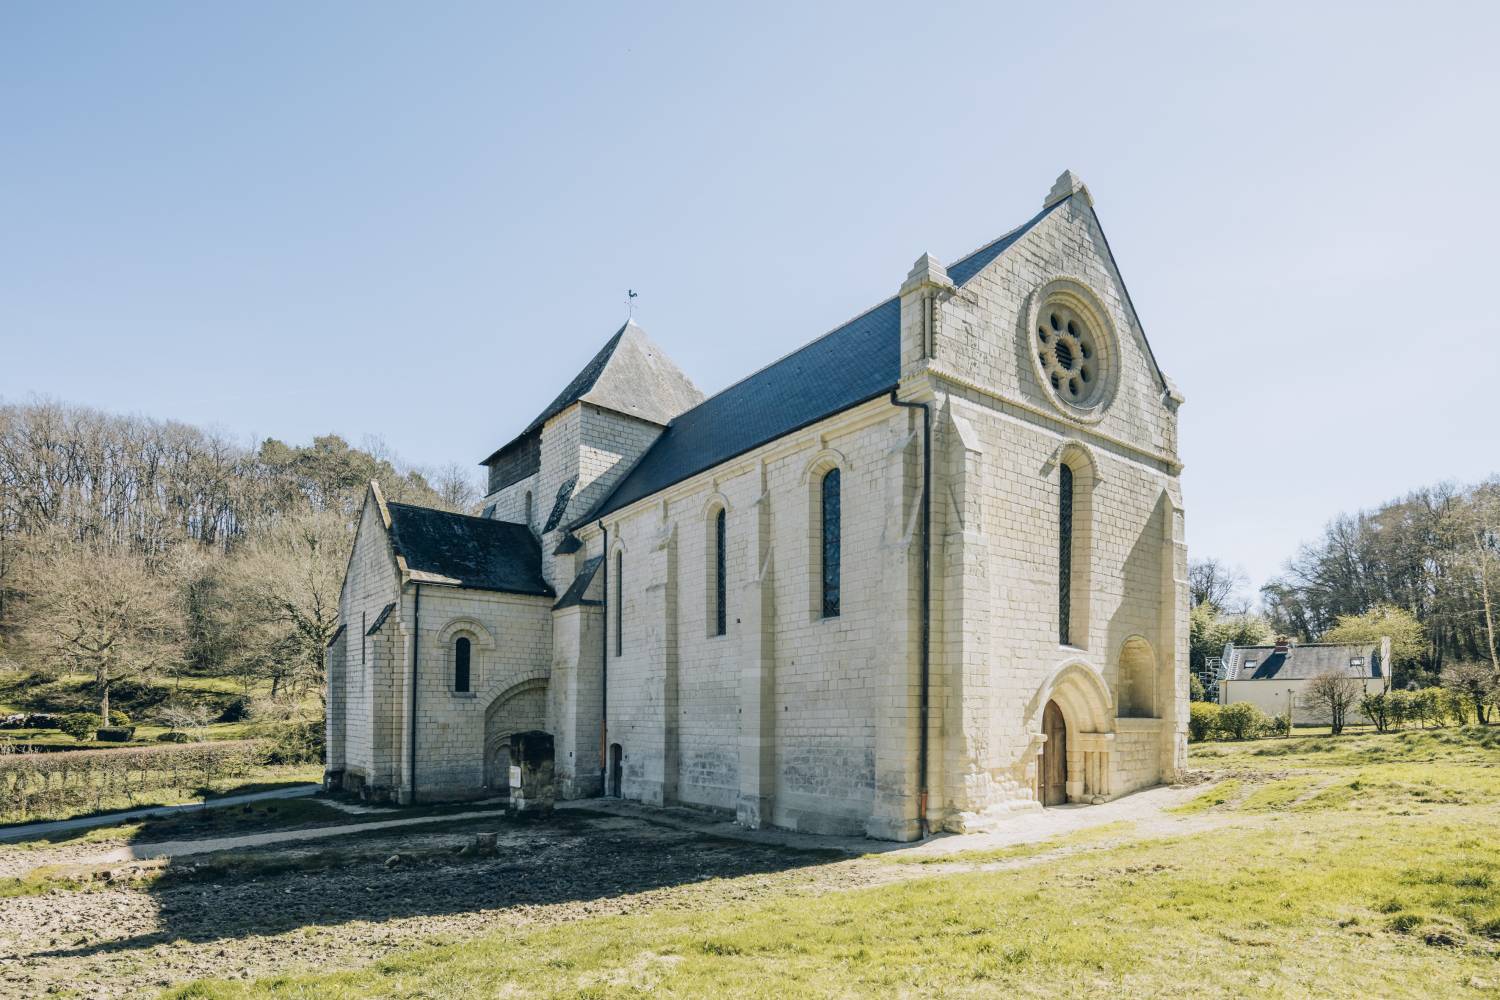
(793, 352)
(449, 513)
(1007, 235)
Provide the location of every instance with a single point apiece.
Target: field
(1364, 865)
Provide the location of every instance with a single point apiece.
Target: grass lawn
(1364, 865)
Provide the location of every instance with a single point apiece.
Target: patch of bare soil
(351, 900)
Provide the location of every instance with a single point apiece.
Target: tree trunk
(104, 701)
(1489, 608)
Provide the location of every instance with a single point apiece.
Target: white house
(1274, 678)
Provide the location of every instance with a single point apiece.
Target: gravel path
(37, 831)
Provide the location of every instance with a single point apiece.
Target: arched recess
(1088, 710)
(481, 654)
(520, 708)
(477, 631)
(1137, 679)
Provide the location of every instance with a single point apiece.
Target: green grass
(1363, 866)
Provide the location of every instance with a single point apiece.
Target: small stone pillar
(531, 784)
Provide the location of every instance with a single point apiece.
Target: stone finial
(1067, 185)
(928, 270)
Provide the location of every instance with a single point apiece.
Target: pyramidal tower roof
(629, 375)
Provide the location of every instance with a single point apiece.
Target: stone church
(925, 571)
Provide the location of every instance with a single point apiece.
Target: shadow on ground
(569, 857)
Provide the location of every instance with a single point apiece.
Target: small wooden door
(1054, 776)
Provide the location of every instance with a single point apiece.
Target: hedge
(33, 784)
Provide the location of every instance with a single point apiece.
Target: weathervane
(630, 303)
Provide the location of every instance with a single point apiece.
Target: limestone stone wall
(371, 688)
(677, 700)
(1001, 442)
(510, 640)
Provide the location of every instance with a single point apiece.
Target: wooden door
(616, 769)
(1054, 769)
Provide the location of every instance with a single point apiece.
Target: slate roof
(1264, 663)
(464, 551)
(574, 594)
(385, 613)
(852, 364)
(629, 375)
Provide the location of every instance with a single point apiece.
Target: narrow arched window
(721, 588)
(831, 544)
(619, 604)
(461, 664)
(1064, 553)
(527, 519)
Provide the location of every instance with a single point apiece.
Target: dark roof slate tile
(463, 551)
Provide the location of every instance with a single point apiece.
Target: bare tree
(1332, 693)
(457, 487)
(99, 607)
(1214, 582)
(282, 593)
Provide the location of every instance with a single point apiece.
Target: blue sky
(417, 221)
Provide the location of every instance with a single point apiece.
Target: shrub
(1400, 707)
(118, 718)
(1195, 689)
(172, 736)
(1203, 721)
(1427, 706)
(1279, 725)
(238, 710)
(47, 784)
(115, 734)
(43, 720)
(1377, 708)
(79, 725)
(1242, 721)
(16, 720)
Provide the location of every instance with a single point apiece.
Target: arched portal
(1074, 715)
(520, 709)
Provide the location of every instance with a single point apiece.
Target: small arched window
(832, 545)
(721, 588)
(619, 604)
(1064, 553)
(461, 653)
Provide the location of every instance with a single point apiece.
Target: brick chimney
(1283, 644)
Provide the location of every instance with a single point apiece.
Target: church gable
(1042, 317)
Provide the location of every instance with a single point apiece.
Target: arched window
(619, 604)
(831, 544)
(461, 664)
(1064, 553)
(721, 588)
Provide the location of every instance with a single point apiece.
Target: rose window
(1069, 353)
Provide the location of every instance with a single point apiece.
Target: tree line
(133, 546)
(1423, 570)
